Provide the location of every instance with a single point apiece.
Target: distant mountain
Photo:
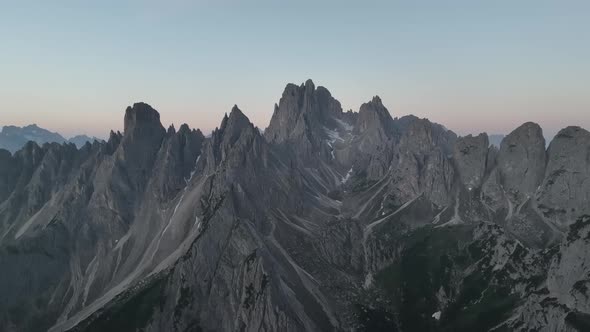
(13, 138)
(80, 140)
(327, 221)
(496, 139)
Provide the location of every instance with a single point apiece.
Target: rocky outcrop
(521, 161)
(176, 162)
(470, 156)
(301, 111)
(141, 141)
(375, 122)
(420, 163)
(308, 121)
(565, 190)
(374, 133)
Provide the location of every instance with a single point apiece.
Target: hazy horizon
(74, 68)
(207, 131)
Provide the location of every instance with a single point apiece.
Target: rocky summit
(331, 220)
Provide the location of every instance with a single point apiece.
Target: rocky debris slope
(331, 220)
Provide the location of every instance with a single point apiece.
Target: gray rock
(331, 220)
(565, 190)
(470, 156)
(521, 161)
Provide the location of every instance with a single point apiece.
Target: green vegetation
(376, 319)
(435, 259)
(361, 183)
(133, 313)
(426, 265)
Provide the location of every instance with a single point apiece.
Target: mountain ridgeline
(13, 138)
(329, 221)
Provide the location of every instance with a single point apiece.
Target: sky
(473, 66)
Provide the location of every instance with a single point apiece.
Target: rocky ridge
(330, 220)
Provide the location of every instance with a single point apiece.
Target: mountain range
(325, 221)
(13, 138)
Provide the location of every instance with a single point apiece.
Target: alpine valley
(325, 221)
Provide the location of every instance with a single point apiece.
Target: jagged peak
(236, 120)
(198, 132)
(232, 125)
(184, 128)
(375, 104)
(306, 88)
(114, 137)
(113, 141)
(301, 111)
(236, 134)
(141, 114)
(31, 150)
(373, 115)
(171, 130)
(235, 111)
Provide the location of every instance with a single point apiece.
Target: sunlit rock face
(330, 220)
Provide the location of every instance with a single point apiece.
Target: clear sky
(74, 66)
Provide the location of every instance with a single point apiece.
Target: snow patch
(347, 176)
(344, 125)
(197, 224)
(193, 171)
(368, 281)
(333, 135)
(436, 315)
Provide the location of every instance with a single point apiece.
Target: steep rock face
(375, 122)
(301, 110)
(141, 140)
(112, 143)
(37, 173)
(433, 133)
(176, 160)
(521, 161)
(34, 237)
(470, 156)
(374, 132)
(308, 121)
(220, 146)
(420, 163)
(565, 190)
(514, 177)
